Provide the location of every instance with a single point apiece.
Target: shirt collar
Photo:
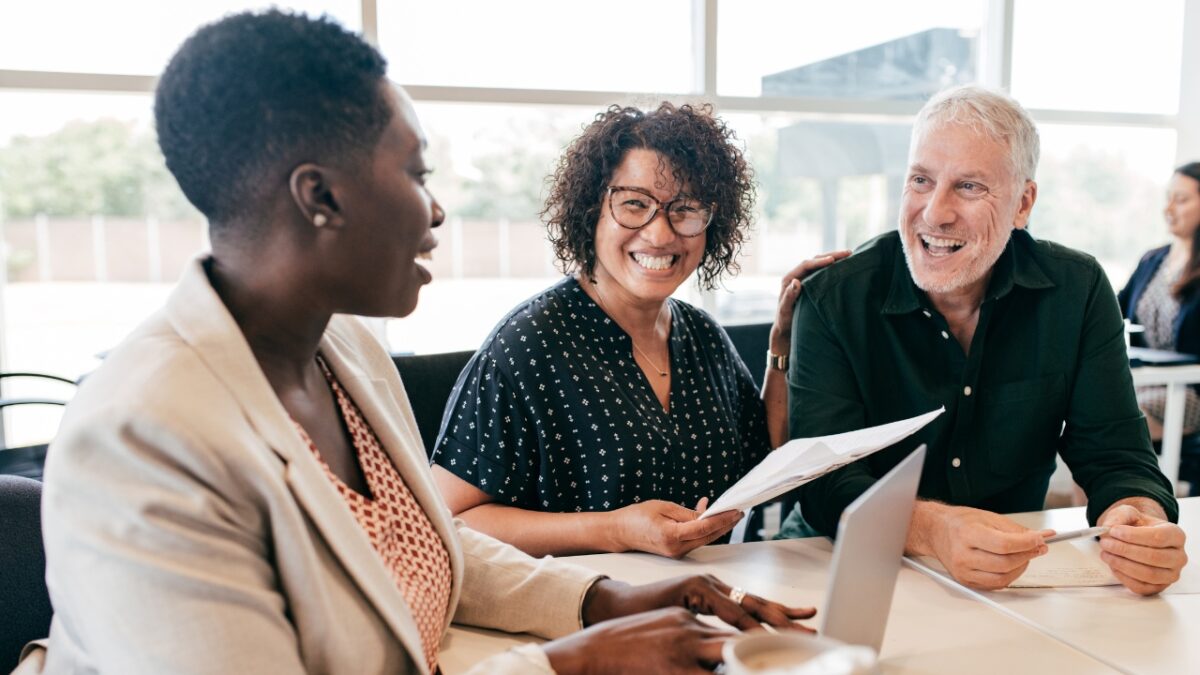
(579, 301)
(1016, 267)
(903, 296)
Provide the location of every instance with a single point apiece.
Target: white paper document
(1068, 563)
(804, 459)
(1076, 564)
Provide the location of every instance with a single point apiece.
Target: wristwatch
(777, 361)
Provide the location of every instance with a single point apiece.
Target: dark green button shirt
(1047, 372)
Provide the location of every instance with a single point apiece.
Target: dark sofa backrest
(429, 379)
(751, 340)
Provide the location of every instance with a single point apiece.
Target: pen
(1075, 534)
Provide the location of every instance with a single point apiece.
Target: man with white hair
(1021, 340)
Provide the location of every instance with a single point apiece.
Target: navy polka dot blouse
(553, 413)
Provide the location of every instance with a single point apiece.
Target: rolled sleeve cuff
(1101, 500)
(504, 588)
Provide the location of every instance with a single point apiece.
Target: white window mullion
(995, 45)
(704, 41)
(93, 82)
(1188, 149)
(370, 22)
(704, 48)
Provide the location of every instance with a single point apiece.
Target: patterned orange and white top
(398, 528)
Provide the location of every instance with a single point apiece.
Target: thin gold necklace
(604, 306)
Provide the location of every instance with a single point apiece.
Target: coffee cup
(795, 653)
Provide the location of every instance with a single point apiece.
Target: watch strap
(777, 361)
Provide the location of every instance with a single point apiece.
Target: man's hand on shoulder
(1143, 549)
(789, 290)
(980, 549)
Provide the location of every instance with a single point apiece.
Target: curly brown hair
(701, 153)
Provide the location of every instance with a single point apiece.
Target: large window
(95, 232)
(618, 45)
(489, 164)
(128, 37)
(1101, 190)
(1077, 55)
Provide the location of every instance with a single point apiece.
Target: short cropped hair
(991, 112)
(248, 98)
(700, 152)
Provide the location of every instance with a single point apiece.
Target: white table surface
(933, 627)
(1160, 634)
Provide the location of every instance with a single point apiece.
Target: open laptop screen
(868, 554)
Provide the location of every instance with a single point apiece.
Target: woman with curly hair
(597, 409)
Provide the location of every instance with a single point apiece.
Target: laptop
(868, 554)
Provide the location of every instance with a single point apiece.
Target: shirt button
(966, 391)
(927, 314)
(956, 462)
(945, 335)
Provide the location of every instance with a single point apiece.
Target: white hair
(990, 112)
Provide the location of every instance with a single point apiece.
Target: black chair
(751, 341)
(1189, 463)
(28, 460)
(429, 379)
(25, 602)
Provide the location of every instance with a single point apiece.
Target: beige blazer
(189, 529)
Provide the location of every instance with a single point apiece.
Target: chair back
(28, 460)
(429, 379)
(1189, 463)
(24, 601)
(751, 341)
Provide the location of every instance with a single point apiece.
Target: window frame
(995, 70)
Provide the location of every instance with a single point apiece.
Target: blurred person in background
(1163, 294)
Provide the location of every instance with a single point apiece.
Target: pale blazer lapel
(202, 320)
(384, 402)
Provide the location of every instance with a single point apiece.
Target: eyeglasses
(634, 208)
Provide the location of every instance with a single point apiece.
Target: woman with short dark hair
(598, 409)
(241, 488)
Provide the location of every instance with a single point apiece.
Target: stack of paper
(804, 459)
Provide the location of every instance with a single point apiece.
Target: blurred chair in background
(28, 459)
